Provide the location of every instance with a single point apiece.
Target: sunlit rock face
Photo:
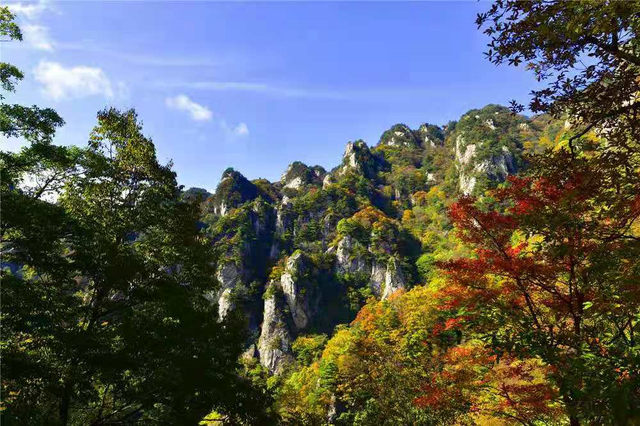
(346, 262)
(358, 159)
(394, 279)
(288, 309)
(230, 277)
(488, 146)
(300, 176)
(233, 191)
(274, 346)
(495, 168)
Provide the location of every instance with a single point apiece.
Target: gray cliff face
(384, 280)
(299, 176)
(496, 167)
(230, 277)
(354, 157)
(274, 346)
(290, 227)
(400, 135)
(295, 291)
(282, 224)
(288, 311)
(377, 281)
(346, 262)
(393, 278)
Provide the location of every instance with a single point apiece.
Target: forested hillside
(482, 272)
(304, 254)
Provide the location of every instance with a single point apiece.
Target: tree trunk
(65, 403)
(571, 412)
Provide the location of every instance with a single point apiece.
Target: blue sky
(256, 86)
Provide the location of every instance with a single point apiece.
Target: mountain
(302, 255)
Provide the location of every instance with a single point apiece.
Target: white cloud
(29, 10)
(35, 34)
(280, 91)
(38, 37)
(241, 129)
(183, 103)
(76, 82)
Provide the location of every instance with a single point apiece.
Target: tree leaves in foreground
(588, 51)
(105, 317)
(556, 276)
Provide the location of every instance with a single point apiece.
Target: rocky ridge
(301, 255)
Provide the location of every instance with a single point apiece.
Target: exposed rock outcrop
(399, 135)
(296, 292)
(384, 279)
(496, 167)
(229, 276)
(299, 175)
(346, 261)
(274, 346)
(377, 280)
(296, 271)
(393, 278)
(358, 158)
(232, 191)
(288, 309)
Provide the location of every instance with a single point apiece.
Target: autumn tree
(556, 254)
(555, 275)
(404, 361)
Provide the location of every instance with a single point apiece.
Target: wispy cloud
(35, 35)
(232, 133)
(267, 89)
(140, 58)
(281, 91)
(241, 129)
(31, 10)
(60, 82)
(38, 37)
(196, 111)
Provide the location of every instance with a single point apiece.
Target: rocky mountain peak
(299, 175)
(233, 190)
(399, 135)
(358, 158)
(430, 135)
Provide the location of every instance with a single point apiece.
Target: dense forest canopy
(480, 273)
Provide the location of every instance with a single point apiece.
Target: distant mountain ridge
(301, 255)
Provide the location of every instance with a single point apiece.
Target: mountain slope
(302, 255)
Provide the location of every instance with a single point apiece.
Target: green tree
(35, 125)
(587, 51)
(106, 319)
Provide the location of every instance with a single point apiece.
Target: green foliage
(108, 279)
(426, 265)
(196, 194)
(8, 28)
(266, 190)
(309, 348)
(34, 124)
(490, 128)
(233, 190)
